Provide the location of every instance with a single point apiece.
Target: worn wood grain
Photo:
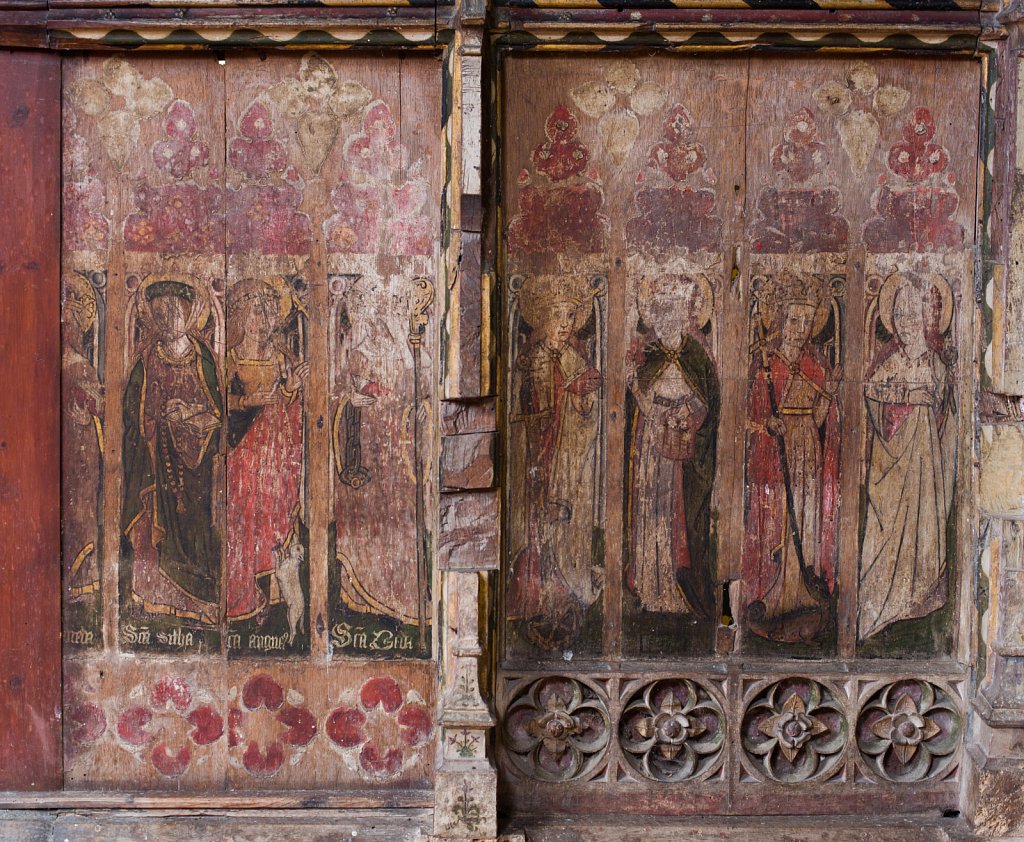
(30, 423)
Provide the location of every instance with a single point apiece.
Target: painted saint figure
(382, 434)
(172, 420)
(555, 416)
(792, 470)
(903, 571)
(265, 379)
(675, 400)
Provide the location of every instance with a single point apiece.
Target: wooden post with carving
(468, 534)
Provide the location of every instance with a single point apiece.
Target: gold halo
(197, 316)
(650, 288)
(887, 299)
(540, 292)
(85, 300)
(821, 314)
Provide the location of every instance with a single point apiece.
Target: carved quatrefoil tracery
(673, 730)
(910, 731)
(557, 729)
(794, 730)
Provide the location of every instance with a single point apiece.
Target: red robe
(787, 601)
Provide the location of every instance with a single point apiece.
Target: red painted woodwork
(30, 650)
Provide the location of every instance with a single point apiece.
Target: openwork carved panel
(557, 729)
(794, 730)
(910, 731)
(673, 730)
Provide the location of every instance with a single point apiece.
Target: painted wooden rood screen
(739, 292)
(250, 432)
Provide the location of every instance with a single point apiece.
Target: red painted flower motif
(170, 699)
(801, 156)
(85, 227)
(561, 155)
(374, 149)
(355, 228)
(383, 691)
(88, 723)
(207, 725)
(371, 726)
(918, 157)
(263, 691)
(177, 219)
(916, 212)
(256, 153)
(181, 152)
(131, 726)
(678, 155)
(344, 727)
(379, 200)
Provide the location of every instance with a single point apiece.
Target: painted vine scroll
(250, 348)
(734, 297)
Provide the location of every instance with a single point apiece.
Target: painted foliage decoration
(675, 205)
(916, 203)
(802, 211)
(856, 103)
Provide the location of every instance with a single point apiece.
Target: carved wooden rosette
(674, 730)
(910, 730)
(557, 729)
(794, 730)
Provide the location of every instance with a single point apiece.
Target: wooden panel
(802, 233)
(683, 210)
(799, 234)
(275, 217)
(556, 244)
(30, 442)
(382, 347)
(151, 247)
(916, 384)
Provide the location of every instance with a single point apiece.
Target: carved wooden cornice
(76, 24)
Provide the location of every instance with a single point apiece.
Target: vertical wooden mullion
(732, 359)
(614, 442)
(113, 422)
(852, 453)
(318, 455)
